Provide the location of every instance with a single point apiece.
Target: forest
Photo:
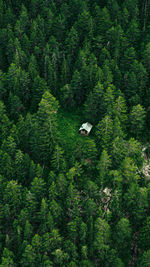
(69, 200)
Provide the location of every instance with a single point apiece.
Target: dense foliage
(69, 200)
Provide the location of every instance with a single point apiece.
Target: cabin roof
(86, 126)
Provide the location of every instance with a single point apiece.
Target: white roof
(86, 126)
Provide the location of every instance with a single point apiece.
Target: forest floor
(69, 124)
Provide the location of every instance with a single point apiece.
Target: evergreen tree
(94, 106)
(144, 260)
(101, 240)
(137, 120)
(7, 258)
(47, 124)
(122, 238)
(104, 132)
(103, 167)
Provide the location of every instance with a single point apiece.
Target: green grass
(69, 124)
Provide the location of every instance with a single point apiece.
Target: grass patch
(69, 124)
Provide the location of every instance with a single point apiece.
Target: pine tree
(101, 239)
(7, 258)
(104, 132)
(47, 124)
(103, 166)
(137, 120)
(94, 106)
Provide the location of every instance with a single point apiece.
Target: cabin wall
(84, 132)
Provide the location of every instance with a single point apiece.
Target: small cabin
(85, 128)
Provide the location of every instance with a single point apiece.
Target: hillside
(67, 199)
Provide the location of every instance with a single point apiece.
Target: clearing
(69, 124)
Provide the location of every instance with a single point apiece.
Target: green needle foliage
(66, 199)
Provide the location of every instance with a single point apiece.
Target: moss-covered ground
(69, 124)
